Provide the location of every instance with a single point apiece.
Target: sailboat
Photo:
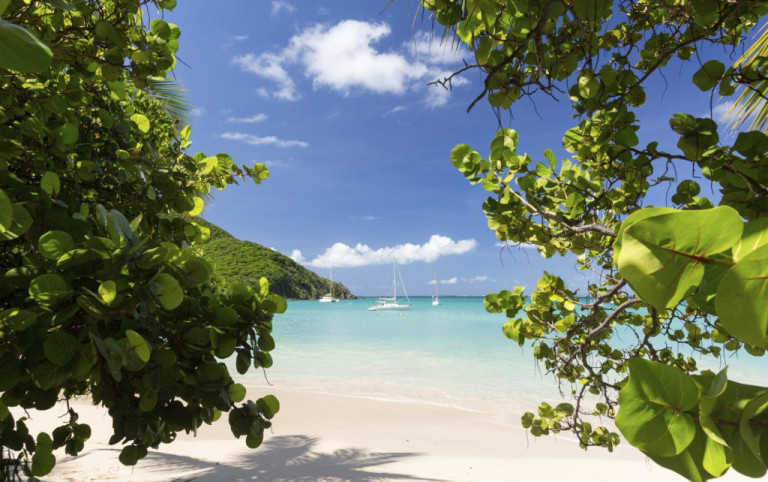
(329, 298)
(391, 303)
(435, 299)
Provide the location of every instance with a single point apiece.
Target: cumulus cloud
(297, 256)
(347, 57)
(342, 255)
(248, 120)
(281, 6)
(451, 281)
(270, 67)
(240, 38)
(197, 111)
(262, 141)
(510, 244)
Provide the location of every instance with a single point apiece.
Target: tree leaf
(22, 51)
(60, 347)
(742, 298)
(709, 75)
(49, 289)
(20, 223)
(137, 346)
(662, 257)
(167, 291)
(141, 122)
(50, 183)
(236, 392)
(268, 406)
(652, 408)
(54, 244)
(6, 212)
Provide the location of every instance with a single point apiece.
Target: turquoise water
(453, 354)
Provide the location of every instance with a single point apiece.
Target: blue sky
(333, 98)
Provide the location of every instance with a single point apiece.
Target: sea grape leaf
(137, 346)
(689, 463)
(652, 408)
(167, 291)
(755, 234)
(19, 224)
(54, 244)
(50, 183)
(43, 460)
(709, 75)
(268, 406)
(141, 122)
(662, 257)
(6, 212)
(22, 51)
(742, 298)
(60, 347)
(236, 392)
(751, 435)
(108, 291)
(49, 289)
(632, 219)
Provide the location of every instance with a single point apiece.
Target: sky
(334, 98)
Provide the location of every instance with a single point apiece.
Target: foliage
(246, 262)
(103, 290)
(674, 284)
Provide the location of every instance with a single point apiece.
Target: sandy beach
(333, 438)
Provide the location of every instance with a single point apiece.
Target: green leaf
(167, 291)
(54, 244)
(268, 406)
(663, 256)
(652, 408)
(108, 291)
(709, 75)
(199, 204)
(68, 133)
(43, 460)
(17, 319)
(49, 289)
(130, 455)
(22, 51)
(50, 183)
(137, 346)
(20, 223)
(60, 347)
(141, 122)
(236, 392)
(741, 298)
(689, 463)
(6, 212)
(755, 235)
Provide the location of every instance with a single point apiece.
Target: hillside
(235, 260)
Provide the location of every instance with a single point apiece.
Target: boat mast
(394, 281)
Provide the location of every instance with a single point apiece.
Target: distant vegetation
(235, 260)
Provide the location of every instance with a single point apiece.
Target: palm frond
(172, 94)
(751, 105)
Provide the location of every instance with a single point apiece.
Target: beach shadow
(282, 458)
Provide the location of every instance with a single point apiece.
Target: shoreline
(333, 437)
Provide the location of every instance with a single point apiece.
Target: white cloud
(248, 120)
(262, 141)
(197, 111)
(395, 109)
(451, 281)
(437, 95)
(479, 279)
(240, 38)
(297, 256)
(426, 48)
(342, 255)
(281, 6)
(269, 66)
(346, 57)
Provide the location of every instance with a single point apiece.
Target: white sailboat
(329, 298)
(435, 299)
(391, 303)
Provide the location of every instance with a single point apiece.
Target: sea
(453, 354)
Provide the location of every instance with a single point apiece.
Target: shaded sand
(321, 437)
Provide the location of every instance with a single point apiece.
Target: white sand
(327, 437)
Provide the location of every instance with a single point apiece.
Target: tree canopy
(103, 289)
(676, 283)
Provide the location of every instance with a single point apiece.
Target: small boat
(329, 298)
(435, 299)
(392, 303)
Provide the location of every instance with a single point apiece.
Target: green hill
(235, 260)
